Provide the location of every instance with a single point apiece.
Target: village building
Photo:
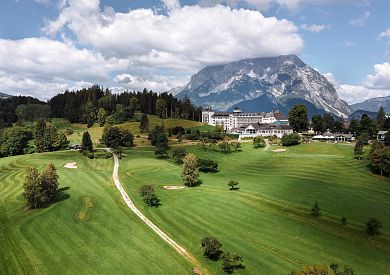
(331, 137)
(262, 129)
(381, 135)
(237, 118)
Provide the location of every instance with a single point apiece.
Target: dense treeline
(84, 105)
(8, 106)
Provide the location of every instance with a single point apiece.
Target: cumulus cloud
(360, 21)
(385, 35)
(315, 28)
(376, 85)
(178, 40)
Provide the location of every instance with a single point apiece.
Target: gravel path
(150, 224)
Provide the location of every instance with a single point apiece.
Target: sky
(49, 46)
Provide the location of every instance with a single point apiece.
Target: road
(150, 224)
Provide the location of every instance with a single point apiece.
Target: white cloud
(375, 85)
(315, 28)
(381, 79)
(347, 43)
(360, 21)
(187, 38)
(385, 35)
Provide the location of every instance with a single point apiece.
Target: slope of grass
(268, 220)
(96, 131)
(89, 232)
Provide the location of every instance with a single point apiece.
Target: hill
(262, 84)
(2, 95)
(358, 115)
(373, 104)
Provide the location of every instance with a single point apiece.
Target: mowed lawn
(268, 221)
(89, 232)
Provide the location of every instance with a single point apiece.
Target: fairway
(90, 231)
(268, 220)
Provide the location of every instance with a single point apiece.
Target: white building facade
(237, 118)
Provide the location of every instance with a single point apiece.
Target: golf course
(267, 221)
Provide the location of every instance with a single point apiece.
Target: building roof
(382, 132)
(221, 114)
(265, 126)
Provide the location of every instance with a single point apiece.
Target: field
(267, 221)
(96, 131)
(90, 231)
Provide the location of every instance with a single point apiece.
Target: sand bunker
(173, 187)
(71, 165)
(279, 150)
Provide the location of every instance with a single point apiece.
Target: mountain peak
(277, 80)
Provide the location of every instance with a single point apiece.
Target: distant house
(334, 137)
(381, 135)
(261, 129)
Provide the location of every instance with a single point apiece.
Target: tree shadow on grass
(231, 269)
(61, 196)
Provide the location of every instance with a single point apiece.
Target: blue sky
(47, 46)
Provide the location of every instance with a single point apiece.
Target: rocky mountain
(373, 104)
(263, 84)
(2, 95)
(358, 115)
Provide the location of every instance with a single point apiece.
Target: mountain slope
(2, 95)
(274, 82)
(373, 104)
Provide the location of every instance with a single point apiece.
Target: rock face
(373, 104)
(263, 84)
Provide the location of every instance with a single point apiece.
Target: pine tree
(315, 210)
(86, 142)
(40, 130)
(358, 150)
(380, 119)
(144, 123)
(190, 172)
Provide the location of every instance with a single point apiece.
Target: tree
(353, 126)
(233, 185)
(178, 154)
(358, 150)
(258, 142)
(380, 119)
(315, 210)
(297, 118)
(86, 142)
(328, 122)
(231, 261)
(225, 146)
(190, 173)
(61, 142)
(161, 107)
(133, 105)
(101, 116)
(88, 114)
(14, 141)
(366, 125)
(32, 112)
(40, 130)
(144, 123)
(149, 196)
(373, 226)
(211, 248)
(40, 190)
(155, 133)
(317, 123)
(387, 138)
(236, 145)
(115, 137)
(207, 165)
(161, 145)
(291, 139)
(379, 157)
(313, 269)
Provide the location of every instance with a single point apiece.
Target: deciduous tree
(190, 173)
(297, 118)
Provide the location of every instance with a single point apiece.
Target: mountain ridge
(373, 104)
(278, 80)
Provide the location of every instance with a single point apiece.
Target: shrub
(178, 130)
(147, 193)
(211, 248)
(315, 210)
(233, 185)
(373, 226)
(178, 154)
(69, 131)
(231, 261)
(291, 139)
(344, 221)
(258, 142)
(236, 145)
(207, 165)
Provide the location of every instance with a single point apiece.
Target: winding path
(150, 224)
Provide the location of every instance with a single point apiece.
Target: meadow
(267, 221)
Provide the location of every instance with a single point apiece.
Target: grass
(268, 221)
(89, 232)
(96, 131)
